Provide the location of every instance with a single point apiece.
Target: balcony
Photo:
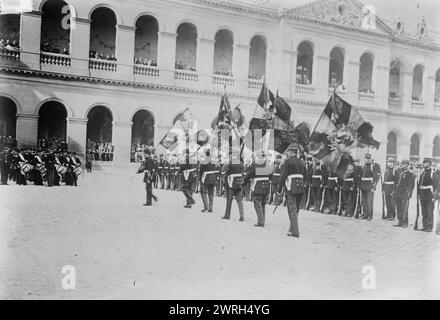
(255, 83)
(186, 75)
(417, 104)
(9, 54)
(222, 80)
(305, 89)
(341, 91)
(366, 96)
(103, 65)
(55, 59)
(395, 103)
(145, 70)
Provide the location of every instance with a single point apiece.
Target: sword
(340, 201)
(437, 228)
(322, 199)
(308, 199)
(383, 199)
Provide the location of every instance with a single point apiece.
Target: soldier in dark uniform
(275, 178)
(331, 201)
(404, 189)
(292, 178)
(75, 163)
(369, 176)
(5, 162)
(428, 186)
(160, 171)
(49, 161)
(317, 182)
(188, 171)
(389, 189)
(147, 167)
(233, 183)
(349, 193)
(208, 174)
(37, 173)
(260, 172)
(306, 200)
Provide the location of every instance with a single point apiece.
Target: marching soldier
(147, 167)
(292, 177)
(428, 188)
(208, 177)
(389, 189)
(316, 184)
(188, 171)
(260, 172)
(404, 189)
(369, 176)
(233, 182)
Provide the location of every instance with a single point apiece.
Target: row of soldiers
(321, 190)
(40, 167)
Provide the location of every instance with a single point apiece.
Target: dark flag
(182, 128)
(263, 110)
(341, 135)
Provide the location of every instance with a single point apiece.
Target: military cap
(405, 161)
(427, 160)
(368, 156)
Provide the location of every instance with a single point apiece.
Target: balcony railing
(417, 104)
(255, 83)
(305, 89)
(144, 70)
(222, 80)
(55, 58)
(437, 104)
(366, 96)
(104, 65)
(186, 75)
(9, 54)
(339, 91)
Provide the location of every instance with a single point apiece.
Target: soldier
(232, 180)
(292, 177)
(208, 177)
(308, 183)
(349, 193)
(50, 168)
(147, 167)
(332, 194)
(275, 178)
(189, 172)
(316, 184)
(260, 172)
(428, 188)
(404, 189)
(75, 163)
(369, 176)
(5, 161)
(160, 171)
(21, 176)
(389, 189)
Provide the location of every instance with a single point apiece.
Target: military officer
(188, 171)
(332, 194)
(275, 177)
(316, 184)
(233, 184)
(369, 176)
(307, 180)
(389, 189)
(404, 189)
(349, 193)
(292, 178)
(208, 173)
(147, 167)
(5, 162)
(428, 187)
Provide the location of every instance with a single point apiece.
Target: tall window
(55, 32)
(437, 86)
(103, 34)
(336, 67)
(186, 47)
(145, 47)
(392, 145)
(414, 149)
(417, 89)
(223, 50)
(304, 63)
(257, 58)
(10, 31)
(436, 150)
(366, 73)
(394, 80)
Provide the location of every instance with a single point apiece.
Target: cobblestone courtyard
(120, 249)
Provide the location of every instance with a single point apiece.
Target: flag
(340, 135)
(263, 110)
(181, 131)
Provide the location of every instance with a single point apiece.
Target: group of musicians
(48, 167)
(299, 181)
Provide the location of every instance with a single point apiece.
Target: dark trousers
(230, 194)
(391, 206)
(367, 204)
(349, 201)
(316, 196)
(293, 203)
(21, 179)
(207, 193)
(187, 189)
(331, 200)
(427, 207)
(56, 180)
(149, 195)
(50, 174)
(402, 211)
(260, 207)
(4, 171)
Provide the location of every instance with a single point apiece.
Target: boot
(240, 209)
(227, 215)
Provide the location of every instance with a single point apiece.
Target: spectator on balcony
(65, 51)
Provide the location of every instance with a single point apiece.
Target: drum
(61, 169)
(78, 171)
(25, 168)
(42, 169)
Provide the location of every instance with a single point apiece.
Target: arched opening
(99, 133)
(417, 89)
(257, 58)
(414, 149)
(9, 32)
(436, 150)
(304, 64)
(55, 31)
(336, 67)
(186, 47)
(437, 87)
(366, 73)
(146, 35)
(103, 34)
(142, 131)
(52, 125)
(8, 123)
(392, 145)
(394, 80)
(223, 51)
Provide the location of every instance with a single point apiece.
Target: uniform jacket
(428, 184)
(229, 169)
(147, 167)
(369, 176)
(291, 166)
(389, 181)
(405, 181)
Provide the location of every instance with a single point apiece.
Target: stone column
(76, 140)
(121, 140)
(241, 67)
(407, 78)
(351, 80)
(205, 61)
(125, 51)
(27, 129)
(80, 46)
(287, 71)
(429, 93)
(30, 38)
(321, 81)
(381, 86)
(166, 57)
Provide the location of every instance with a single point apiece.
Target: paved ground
(120, 249)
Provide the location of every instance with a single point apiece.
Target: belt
(333, 178)
(255, 180)
(288, 182)
(231, 178)
(317, 177)
(389, 182)
(276, 174)
(160, 167)
(206, 173)
(187, 172)
(349, 179)
(426, 188)
(367, 179)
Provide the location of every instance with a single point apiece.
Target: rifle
(340, 201)
(383, 199)
(322, 199)
(416, 224)
(357, 205)
(279, 201)
(308, 199)
(437, 228)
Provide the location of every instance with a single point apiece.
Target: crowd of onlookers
(179, 65)
(137, 151)
(10, 45)
(255, 76)
(302, 79)
(146, 61)
(223, 72)
(46, 47)
(101, 151)
(55, 144)
(366, 90)
(416, 97)
(7, 141)
(101, 56)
